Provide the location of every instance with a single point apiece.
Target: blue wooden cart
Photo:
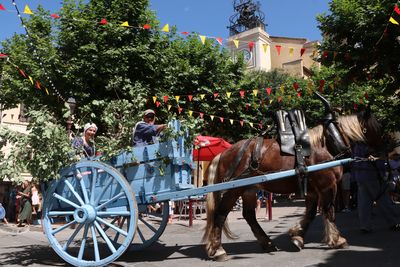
(97, 210)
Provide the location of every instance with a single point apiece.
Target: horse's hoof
(342, 243)
(298, 243)
(221, 258)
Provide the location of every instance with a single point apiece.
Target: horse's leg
(298, 231)
(249, 198)
(332, 235)
(213, 246)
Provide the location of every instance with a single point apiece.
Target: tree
(360, 50)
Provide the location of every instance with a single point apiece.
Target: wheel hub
(85, 214)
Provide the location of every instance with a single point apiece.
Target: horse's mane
(349, 125)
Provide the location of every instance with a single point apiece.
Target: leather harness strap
(237, 160)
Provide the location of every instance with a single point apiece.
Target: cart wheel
(153, 220)
(90, 214)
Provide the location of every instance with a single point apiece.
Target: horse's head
(372, 129)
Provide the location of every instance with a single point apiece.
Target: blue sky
(290, 18)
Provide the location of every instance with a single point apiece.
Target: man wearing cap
(145, 130)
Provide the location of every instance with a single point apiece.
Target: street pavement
(180, 245)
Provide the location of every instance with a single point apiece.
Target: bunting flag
(169, 107)
(154, 99)
(265, 46)
(334, 55)
(103, 21)
(291, 50)
(251, 46)
(269, 90)
(236, 42)
(55, 16)
(177, 98)
(392, 20)
(396, 9)
(216, 95)
(203, 39)
(278, 49)
(22, 72)
(47, 91)
(219, 40)
(231, 121)
(221, 119)
(2, 7)
(185, 33)
(279, 99)
(282, 88)
(3, 55)
(180, 110)
(27, 10)
(165, 99)
(228, 94)
(325, 54)
(190, 113)
(190, 97)
(302, 51)
(165, 28)
(251, 124)
(212, 117)
(241, 92)
(158, 103)
(146, 26)
(30, 79)
(241, 123)
(125, 24)
(201, 114)
(255, 92)
(202, 96)
(321, 85)
(37, 85)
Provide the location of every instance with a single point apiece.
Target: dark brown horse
(322, 185)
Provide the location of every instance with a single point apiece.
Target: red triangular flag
(278, 48)
(158, 103)
(302, 51)
(366, 95)
(269, 90)
(201, 114)
(185, 33)
(355, 106)
(37, 85)
(247, 106)
(55, 16)
(260, 125)
(397, 10)
(219, 40)
(146, 26)
(279, 98)
(180, 110)
(321, 85)
(296, 86)
(190, 97)
(216, 95)
(103, 21)
(2, 7)
(325, 54)
(22, 72)
(241, 123)
(251, 45)
(241, 92)
(3, 55)
(165, 99)
(221, 119)
(298, 94)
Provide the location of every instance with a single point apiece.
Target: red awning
(207, 147)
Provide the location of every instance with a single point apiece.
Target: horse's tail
(213, 200)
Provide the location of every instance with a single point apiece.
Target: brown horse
(322, 185)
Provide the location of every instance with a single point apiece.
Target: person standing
(144, 131)
(25, 210)
(35, 198)
(372, 188)
(85, 143)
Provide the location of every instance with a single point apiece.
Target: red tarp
(207, 147)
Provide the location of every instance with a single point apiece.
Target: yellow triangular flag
(154, 99)
(27, 10)
(392, 20)
(282, 88)
(289, 97)
(231, 121)
(228, 94)
(270, 101)
(165, 28)
(255, 92)
(291, 49)
(202, 38)
(177, 98)
(236, 42)
(265, 47)
(212, 117)
(169, 107)
(47, 91)
(251, 124)
(125, 24)
(202, 96)
(190, 113)
(30, 78)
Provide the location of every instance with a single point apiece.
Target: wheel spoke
(55, 231)
(112, 226)
(95, 245)
(59, 213)
(72, 237)
(78, 197)
(110, 200)
(120, 225)
(83, 244)
(113, 213)
(94, 174)
(105, 237)
(63, 199)
(103, 190)
(141, 235)
(84, 192)
(148, 225)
